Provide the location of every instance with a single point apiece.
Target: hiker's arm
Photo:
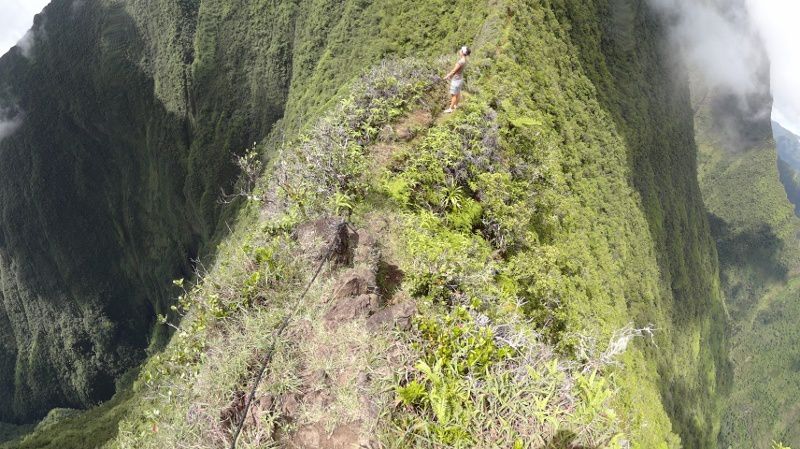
(453, 72)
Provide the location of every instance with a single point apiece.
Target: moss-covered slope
(550, 238)
(111, 185)
(756, 231)
(788, 145)
(94, 218)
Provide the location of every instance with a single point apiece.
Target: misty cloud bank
(9, 122)
(8, 128)
(25, 44)
(731, 44)
(729, 65)
(778, 21)
(718, 41)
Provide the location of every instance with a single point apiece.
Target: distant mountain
(790, 178)
(788, 145)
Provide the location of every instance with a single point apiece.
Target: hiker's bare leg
(458, 100)
(453, 101)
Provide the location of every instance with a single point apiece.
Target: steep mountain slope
(546, 247)
(788, 145)
(790, 178)
(757, 232)
(573, 273)
(104, 205)
(94, 218)
(757, 236)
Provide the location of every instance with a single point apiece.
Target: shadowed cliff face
(107, 190)
(129, 113)
(644, 88)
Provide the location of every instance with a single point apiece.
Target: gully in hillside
(456, 77)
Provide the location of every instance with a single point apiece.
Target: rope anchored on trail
(341, 229)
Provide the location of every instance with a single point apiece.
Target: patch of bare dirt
(409, 127)
(347, 436)
(316, 237)
(383, 154)
(333, 348)
(397, 315)
(399, 135)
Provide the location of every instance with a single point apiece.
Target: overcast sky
(16, 17)
(777, 20)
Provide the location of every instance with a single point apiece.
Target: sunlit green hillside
(255, 215)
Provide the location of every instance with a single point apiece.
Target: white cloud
(16, 18)
(717, 41)
(778, 22)
(717, 38)
(8, 128)
(10, 120)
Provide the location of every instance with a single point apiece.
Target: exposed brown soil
(395, 137)
(363, 292)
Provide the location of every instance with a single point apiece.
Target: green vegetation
(493, 221)
(466, 197)
(102, 206)
(10, 432)
(69, 428)
(756, 231)
(766, 375)
(94, 219)
(788, 145)
(459, 360)
(753, 222)
(622, 55)
(790, 178)
(550, 239)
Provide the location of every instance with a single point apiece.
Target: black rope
(340, 229)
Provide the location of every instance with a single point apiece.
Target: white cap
(464, 49)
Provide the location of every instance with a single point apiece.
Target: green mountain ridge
(147, 179)
(747, 190)
(538, 269)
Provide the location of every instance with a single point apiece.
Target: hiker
(456, 77)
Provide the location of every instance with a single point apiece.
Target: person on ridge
(456, 77)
